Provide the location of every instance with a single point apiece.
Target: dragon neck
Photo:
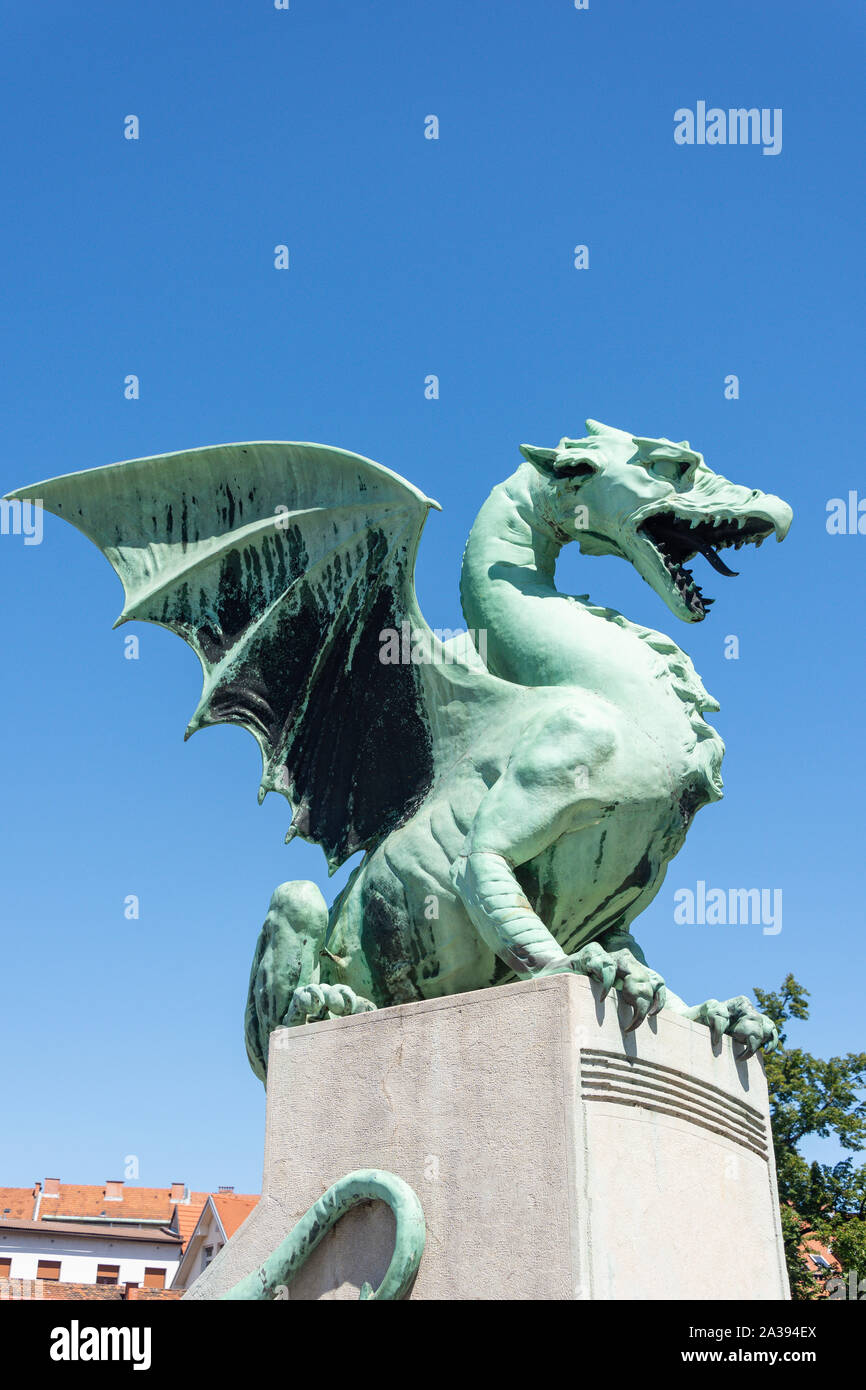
(536, 636)
(507, 586)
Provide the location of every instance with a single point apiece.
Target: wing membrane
(280, 564)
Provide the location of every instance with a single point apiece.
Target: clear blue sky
(408, 257)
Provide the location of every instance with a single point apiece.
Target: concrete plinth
(555, 1156)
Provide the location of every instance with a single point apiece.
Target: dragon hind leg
(285, 986)
(286, 957)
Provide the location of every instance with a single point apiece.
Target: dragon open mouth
(678, 539)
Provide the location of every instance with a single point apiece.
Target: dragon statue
(515, 813)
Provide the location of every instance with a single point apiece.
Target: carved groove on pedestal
(611, 1077)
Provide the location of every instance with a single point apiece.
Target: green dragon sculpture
(516, 813)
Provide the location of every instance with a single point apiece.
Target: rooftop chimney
(178, 1191)
(52, 1187)
(227, 1189)
(113, 1190)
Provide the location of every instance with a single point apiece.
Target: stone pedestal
(555, 1156)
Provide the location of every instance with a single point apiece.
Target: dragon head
(654, 503)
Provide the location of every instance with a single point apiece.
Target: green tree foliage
(809, 1096)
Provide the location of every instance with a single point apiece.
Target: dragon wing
(283, 597)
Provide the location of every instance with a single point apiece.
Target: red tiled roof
(83, 1202)
(145, 1294)
(77, 1201)
(233, 1209)
(30, 1290)
(187, 1214)
(17, 1203)
(811, 1245)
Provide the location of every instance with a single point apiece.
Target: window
(5, 1269)
(207, 1256)
(154, 1278)
(48, 1269)
(107, 1274)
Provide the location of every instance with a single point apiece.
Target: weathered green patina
(273, 1277)
(516, 814)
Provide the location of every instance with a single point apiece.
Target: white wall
(80, 1255)
(207, 1232)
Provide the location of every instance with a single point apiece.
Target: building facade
(86, 1236)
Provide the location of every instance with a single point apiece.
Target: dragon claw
(641, 1009)
(658, 1002)
(607, 976)
(717, 1018)
(640, 987)
(313, 1003)
(741, 1021)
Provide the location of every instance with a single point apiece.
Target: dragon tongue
(716, 562)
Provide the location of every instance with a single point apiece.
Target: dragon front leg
(504, 919)
(533, 804)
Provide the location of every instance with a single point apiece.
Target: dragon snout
(778, 512)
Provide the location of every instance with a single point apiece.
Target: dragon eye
(671, 468)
